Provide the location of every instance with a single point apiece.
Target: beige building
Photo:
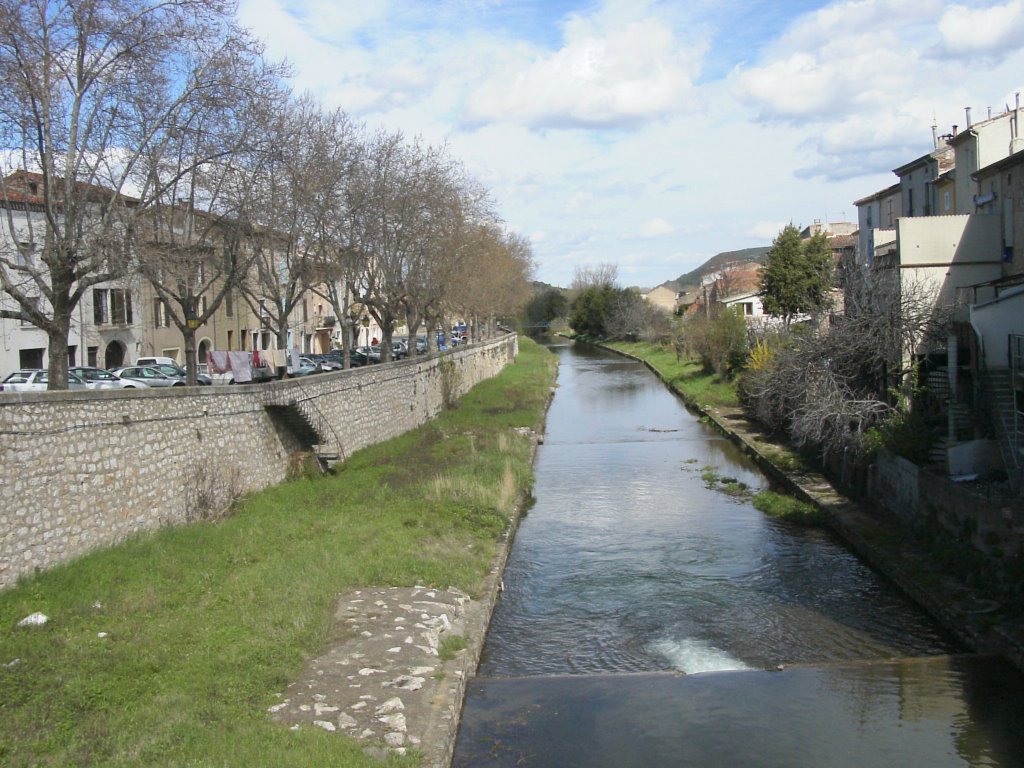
(665, 296)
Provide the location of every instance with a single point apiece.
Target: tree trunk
(57, 365)
(189, 342)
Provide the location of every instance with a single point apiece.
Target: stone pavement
(381, 679)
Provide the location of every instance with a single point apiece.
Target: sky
(653, 135)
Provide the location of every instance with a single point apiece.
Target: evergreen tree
(797, 275)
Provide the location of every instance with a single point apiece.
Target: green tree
(590, 309)
(797, 275)
(545, 306)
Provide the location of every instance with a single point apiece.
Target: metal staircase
(999, 395)
(300, 418)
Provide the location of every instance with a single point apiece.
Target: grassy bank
(688, 377)
(204, 624)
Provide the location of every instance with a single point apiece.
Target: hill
(716, 261)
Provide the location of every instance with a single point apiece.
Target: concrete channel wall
(83, 470)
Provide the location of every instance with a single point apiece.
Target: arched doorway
(204, 347)
(113, 355)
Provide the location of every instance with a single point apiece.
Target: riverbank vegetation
(168, 650)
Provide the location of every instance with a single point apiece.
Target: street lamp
(366, 324)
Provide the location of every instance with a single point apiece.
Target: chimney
(935, 135)
(968, 111)
(1016, 142)
(954, 129)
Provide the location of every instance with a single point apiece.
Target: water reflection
(884, 714)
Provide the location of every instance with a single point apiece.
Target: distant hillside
(726, 257)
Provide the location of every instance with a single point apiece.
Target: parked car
(399, 349)
(36, 380)
(328, 361)
(150, 376)
(156, 361)
(176, 371)
(98, 378)
(357, 359)
(306, 368)
(369, 354)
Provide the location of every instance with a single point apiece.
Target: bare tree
(495, 282)
(828, 388)
(598, 276)
(193, 239)
(89, 87)
(295, 194)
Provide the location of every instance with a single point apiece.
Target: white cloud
(656, 228)
(617, 78)
(597, 129)
(766, 230)
(992, 32)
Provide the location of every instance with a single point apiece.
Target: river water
(650, 618)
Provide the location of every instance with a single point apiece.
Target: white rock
(325, 725)
(394, 739)
(367, 671)
(395, 722)
(366, 733)
(346, 721)
(320, 709)
(98, 605)
(364, 633)
(358, 705)
(277, 707)
(34, 620)
(416, 671)
(408, 683)
(304, 708)
(393, 704)
(101, 634)
(397, 649)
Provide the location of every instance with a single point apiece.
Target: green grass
(688, 378)
(788, 508)
(207, 622)
(450, 646)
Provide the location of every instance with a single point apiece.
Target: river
(651, 618)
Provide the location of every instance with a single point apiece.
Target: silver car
(36, 380)
(149, 376)
(98, 378)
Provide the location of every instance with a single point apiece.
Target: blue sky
(653, 135)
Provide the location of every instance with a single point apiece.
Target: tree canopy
(797, 275)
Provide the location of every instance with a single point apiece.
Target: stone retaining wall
(83, 470)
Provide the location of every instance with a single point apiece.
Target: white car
(98, 378)
(36, 380)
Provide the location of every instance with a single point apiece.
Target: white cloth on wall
(218, 362)
(241, 366)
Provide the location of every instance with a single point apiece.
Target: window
(231, 339)
(25, 250)
(229, 305)
(30, 358)
(945, 200)
(161, 314)
(111, 306)
(92, 355)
